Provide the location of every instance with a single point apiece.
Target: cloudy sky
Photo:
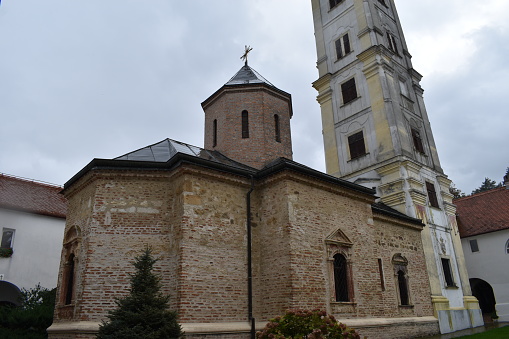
(97, 79)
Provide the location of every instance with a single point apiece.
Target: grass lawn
(497, 333)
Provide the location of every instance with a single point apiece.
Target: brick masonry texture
(195, 220)
(261, 104)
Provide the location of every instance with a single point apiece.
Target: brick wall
(195, 220)
(261, 104)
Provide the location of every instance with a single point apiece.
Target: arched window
(214, 133)
(403, 288)
(69, 280)
(245, 124)
(341, 277)
(277, 128)
(507, 247)
(401, 276)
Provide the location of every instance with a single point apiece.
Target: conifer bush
(304, 324)
(143, 313)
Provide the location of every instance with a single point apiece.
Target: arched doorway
(9, 294)
(483, 291)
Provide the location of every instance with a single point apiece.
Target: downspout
(249, 262)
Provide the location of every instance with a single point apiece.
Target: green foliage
(487, 185)
(32, 318)
(456, 192)
(302, 324)
(142, 314)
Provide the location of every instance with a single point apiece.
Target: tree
(456, 192)
(487, 185)
(143, 313)
(32, 318)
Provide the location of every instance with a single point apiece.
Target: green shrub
(305, 324)
(32, 318)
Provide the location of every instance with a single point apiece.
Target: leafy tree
(487, 185)
(143, 314)
(456, 192)
(32, 318)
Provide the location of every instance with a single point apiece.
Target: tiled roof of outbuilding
(483, 212)
(31, 196)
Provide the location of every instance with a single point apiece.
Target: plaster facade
(398, 155)
(490, 264)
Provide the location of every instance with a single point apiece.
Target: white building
(483, 221)
(32, 221)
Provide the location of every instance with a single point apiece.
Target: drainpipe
(249, 262)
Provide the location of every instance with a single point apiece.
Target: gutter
(250, 261)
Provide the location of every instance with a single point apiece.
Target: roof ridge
(29, 180)
(478, 194)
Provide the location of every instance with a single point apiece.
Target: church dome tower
(248, 120)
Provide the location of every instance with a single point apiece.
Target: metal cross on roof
(246, 52)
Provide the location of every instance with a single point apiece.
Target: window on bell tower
(245, 124)
(393, 46)
(277, 128)
(432, 194)
(416, 136)
(334, 3)
(214, 133)
(342, 46)
(356, 145)
(349, 91)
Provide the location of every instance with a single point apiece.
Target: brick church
(241, 231)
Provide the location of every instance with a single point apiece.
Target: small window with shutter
(432, 194)
(356, 145)
(349, 91)
(343, 46)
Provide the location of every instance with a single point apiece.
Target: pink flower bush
(304, 324)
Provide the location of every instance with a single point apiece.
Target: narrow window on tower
(349, 91)
(343, 46)
(416, 136)
(382, 2)
(341, 277)
(381, 272)
(403, 288)
(446, 267)
(401, 278)
(432, 194)
(214, 133)
(334, 3)
(277, 129)
(393, 46)
(69, 280)
(356, 145)
(245, 124)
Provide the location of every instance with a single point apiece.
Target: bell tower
(248, 120)
(377, 133)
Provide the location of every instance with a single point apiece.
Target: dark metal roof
(166, 149)
(247, 75)
(384, 209)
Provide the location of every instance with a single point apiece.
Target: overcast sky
(100, 78)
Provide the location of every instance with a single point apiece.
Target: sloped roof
(247, 75)
(166, 149)
(483, 212)
(32, 196)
